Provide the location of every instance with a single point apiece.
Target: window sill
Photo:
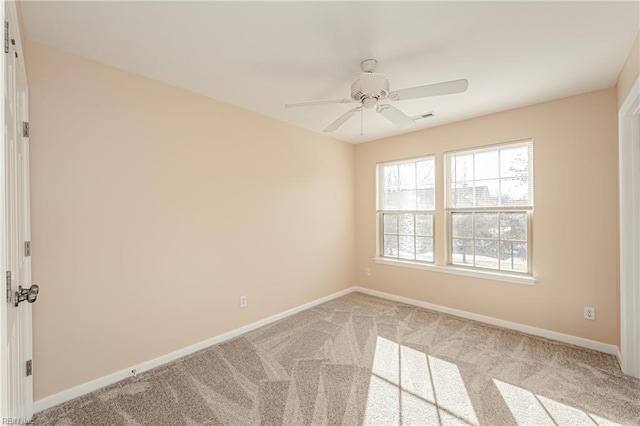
(497, 276)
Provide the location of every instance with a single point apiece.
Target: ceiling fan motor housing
(370, 88)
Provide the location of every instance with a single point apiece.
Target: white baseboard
(101, 382)
(565, 338)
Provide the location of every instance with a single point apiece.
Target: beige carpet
(363, 360)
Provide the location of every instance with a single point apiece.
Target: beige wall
(154, 209)
(629, 73)
(575, 243)
(144, 191)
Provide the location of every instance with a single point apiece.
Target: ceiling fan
(372, 88)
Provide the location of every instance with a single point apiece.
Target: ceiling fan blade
(395, 116)
(438, 89)
(341, 120)
(312, 103)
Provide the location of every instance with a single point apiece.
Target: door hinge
(9, 286)
(6, 36)
(25, 129)
(27, 248)
(29, 367)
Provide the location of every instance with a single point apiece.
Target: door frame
(4, 374)
(9, 13)
(629, 182)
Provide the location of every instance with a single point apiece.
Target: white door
(16, 391)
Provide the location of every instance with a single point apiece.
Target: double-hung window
(406, 202)
(489, 207)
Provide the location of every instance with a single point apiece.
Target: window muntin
(407, 185)
(489, 205)
(406, 203)
(408, 236)
(491, 177)
(490, 239)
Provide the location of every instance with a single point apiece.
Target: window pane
(490, 178)
(407, 199)
(487, 193)
(486, 165)
(462, 168)
(390, 224)
(391, 200)
(424, 225)
(406, 224)
(425, 174)
(487, 254)
(462, 195)
(513, 257)
(406, 189)
(515, 192)
(426, 199)
(407, 248)
(514, 162)
(481, 182)
(408, 176)
(462, 252)
(390, 244)
(486, 225)
(424, 249)
(462, 225)
(390, 177)
(513, 226)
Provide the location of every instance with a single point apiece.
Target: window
(406, 201)
(489, 207)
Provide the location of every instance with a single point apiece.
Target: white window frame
(381, 212)
(490, 209)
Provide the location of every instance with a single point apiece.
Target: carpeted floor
(364, 360)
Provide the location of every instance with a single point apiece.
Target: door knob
(29, 294)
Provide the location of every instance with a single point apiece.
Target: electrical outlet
(367, 272)
(589, 313)
(243, 301)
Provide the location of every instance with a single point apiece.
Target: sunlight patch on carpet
(410, 387)
(529, 408)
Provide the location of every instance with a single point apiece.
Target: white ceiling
(261, 55)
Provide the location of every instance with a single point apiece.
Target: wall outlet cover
(589, 313)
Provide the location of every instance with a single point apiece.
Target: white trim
(490, 275)
(619, 356)
(548, 334)
(4, 337)
(629, 186)
(101, 382)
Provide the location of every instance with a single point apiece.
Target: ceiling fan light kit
(372, 88)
